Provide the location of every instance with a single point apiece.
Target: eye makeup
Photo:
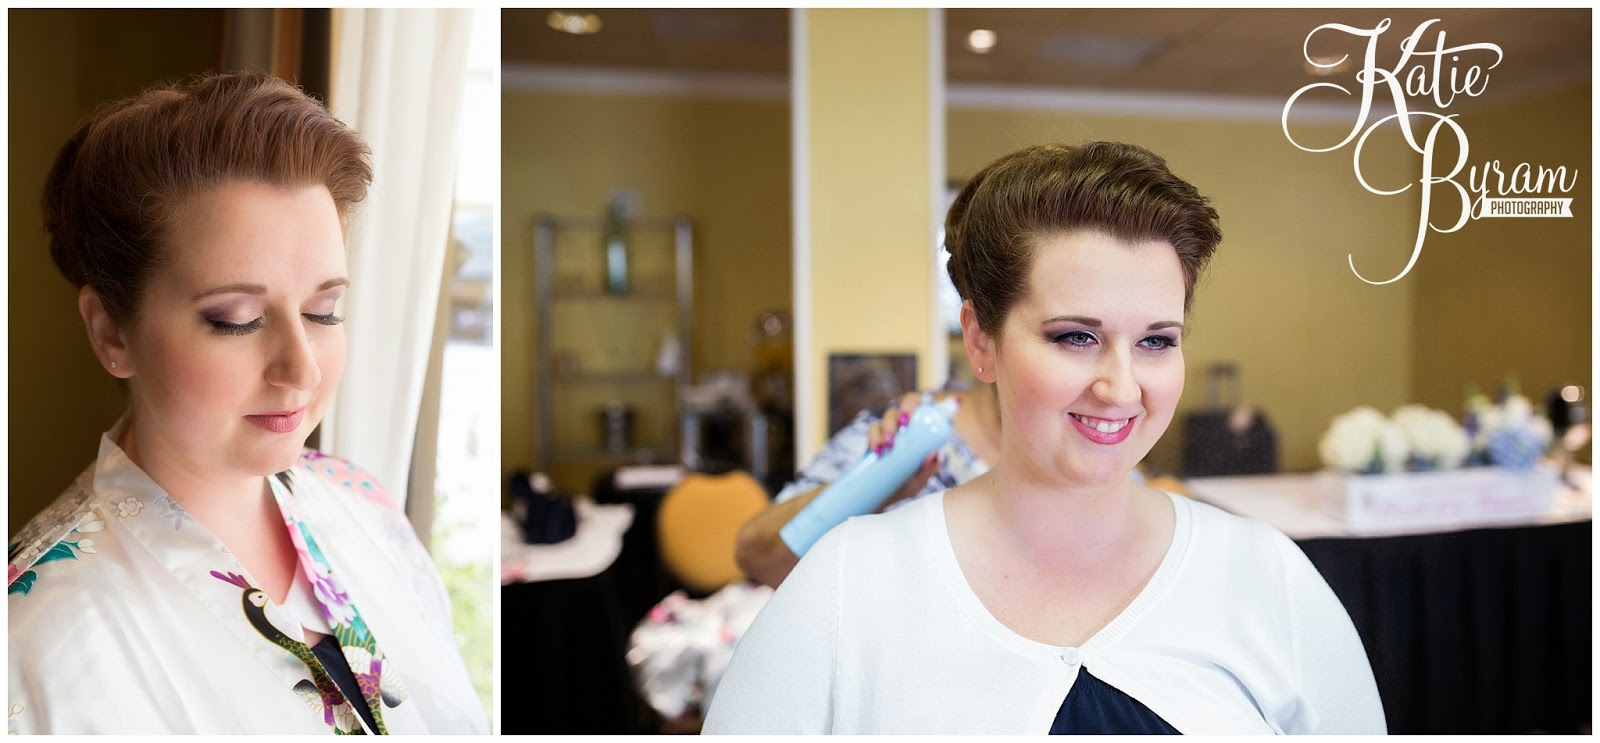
(325, 308)
(1084, 339)
(328, 319)
(1162, 342)
(222, 327)
(228, 319)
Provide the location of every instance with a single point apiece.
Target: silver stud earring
(980, 369)
(113, 364)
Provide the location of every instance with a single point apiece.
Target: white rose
(1432, 435)
(1354, 438)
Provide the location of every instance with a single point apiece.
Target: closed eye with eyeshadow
(222, 326)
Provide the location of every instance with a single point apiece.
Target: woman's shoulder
(1221, 527)
(1243, 550)
(60, 532)
(870, 542)
(73, 582)
(344, 476)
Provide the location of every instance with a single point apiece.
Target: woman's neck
(978, 421)
(205, 495)
(1064, 526)
(238, 509)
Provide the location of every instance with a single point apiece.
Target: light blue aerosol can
(862, 487)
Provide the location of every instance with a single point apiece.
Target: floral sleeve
(957, 462)
(843, 450)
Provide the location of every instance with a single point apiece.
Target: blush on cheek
(1162, 391)
(331, 355)
(331, 359)
(172, 370)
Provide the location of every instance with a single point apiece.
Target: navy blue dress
(1094, 707)
(332, 656)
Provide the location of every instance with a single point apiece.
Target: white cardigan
(877, 631)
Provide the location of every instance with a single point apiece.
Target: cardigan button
(1071, 656)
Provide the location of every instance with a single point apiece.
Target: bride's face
(238, 346)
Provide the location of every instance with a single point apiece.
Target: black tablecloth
(1481, 631)
(563, 643)
(562, 667)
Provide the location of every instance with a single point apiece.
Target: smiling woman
(206, 573)
(1057, 592)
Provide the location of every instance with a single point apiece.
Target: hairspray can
(861, 488)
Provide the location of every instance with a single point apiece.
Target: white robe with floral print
(128, 616)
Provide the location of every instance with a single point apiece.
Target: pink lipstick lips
(278, 422)
(1123, 428)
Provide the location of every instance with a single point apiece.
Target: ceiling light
(1326, 65)
(981, 40)
(577, 24)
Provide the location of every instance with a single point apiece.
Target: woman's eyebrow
(259, 289)
(1095, 322)
(232, 289)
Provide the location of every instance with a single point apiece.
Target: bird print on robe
(319, 691)
(367, 663)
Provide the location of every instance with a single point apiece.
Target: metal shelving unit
(626, 383)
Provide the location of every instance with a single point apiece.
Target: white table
(592, 549)
(1293, 504)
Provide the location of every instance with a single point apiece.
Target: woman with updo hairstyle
(1057, 593)
(206, 573)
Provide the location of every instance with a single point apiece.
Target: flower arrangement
(1434, 441)
(1509, 434)
(1363, 441)
(1435, 482)
(1417, 438)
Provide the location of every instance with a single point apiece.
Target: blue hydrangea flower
(1515, 447)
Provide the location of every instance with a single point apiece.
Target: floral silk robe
(128, 616)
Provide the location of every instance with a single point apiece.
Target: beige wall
(62, 64)
(869, 129)
(1512, 295)
(723, 163)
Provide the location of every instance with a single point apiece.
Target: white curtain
(398, 78)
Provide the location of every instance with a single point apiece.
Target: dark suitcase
(1227, 438)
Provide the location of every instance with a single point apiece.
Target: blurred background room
(419, 403)
(720, 242)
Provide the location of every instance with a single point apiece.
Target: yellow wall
(870, 221)
(1310, 339)
(62, 64)
(1512, 295)
(724, 163)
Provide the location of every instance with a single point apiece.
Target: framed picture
(859, 382)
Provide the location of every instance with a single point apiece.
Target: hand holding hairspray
(861, 488)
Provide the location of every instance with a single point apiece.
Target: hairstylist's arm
(762, 553)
